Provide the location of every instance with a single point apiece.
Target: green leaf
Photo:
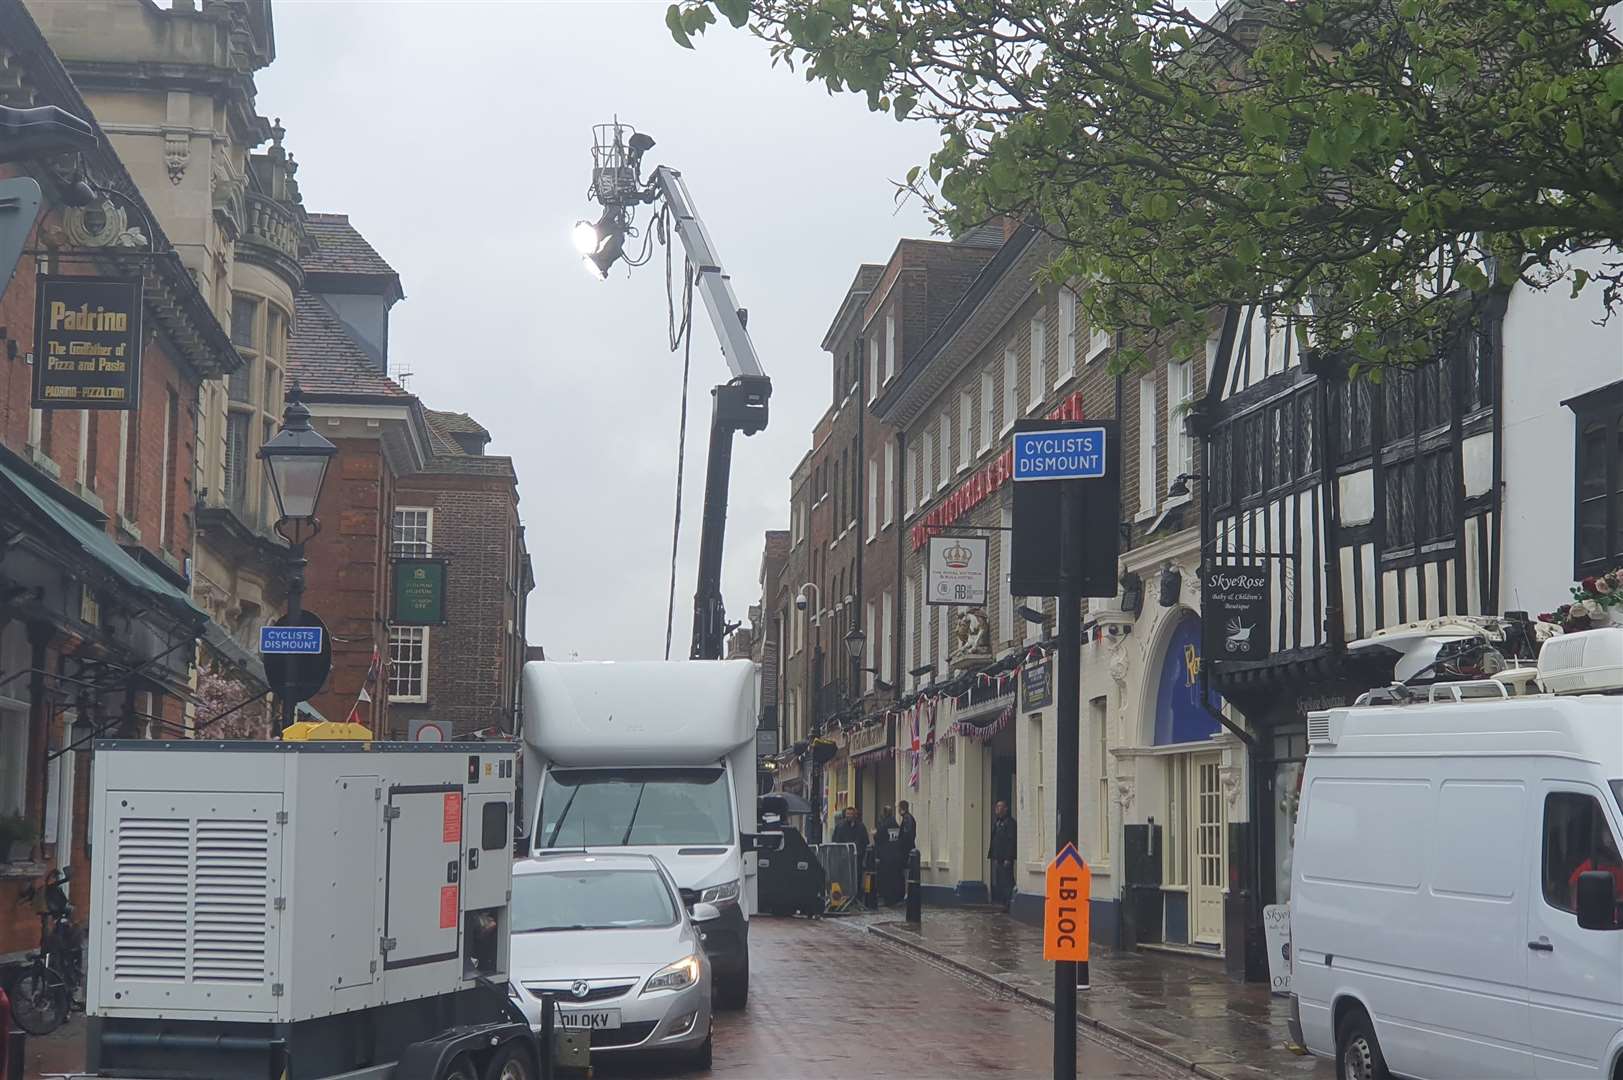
(736, 11)
(1580, 278)
(913, 176)
(1573, 135)
(673, 23)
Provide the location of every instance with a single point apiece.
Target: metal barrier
(843, 875)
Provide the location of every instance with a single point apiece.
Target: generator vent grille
(191, 900)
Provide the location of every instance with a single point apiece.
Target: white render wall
(1553, 351)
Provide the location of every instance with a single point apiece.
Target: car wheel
(733, 993)
(1358, 1051)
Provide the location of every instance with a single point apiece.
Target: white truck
(303, 910)
(653, 757)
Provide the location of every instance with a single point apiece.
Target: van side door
(1575, 976)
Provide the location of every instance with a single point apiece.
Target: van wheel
(733, 994)
(511, 1062)
(461, 1068)
(1358, 1052)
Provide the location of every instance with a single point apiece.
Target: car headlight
(726, 892)
(677, 976)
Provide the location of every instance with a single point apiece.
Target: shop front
(1188, 771)
(872, 752)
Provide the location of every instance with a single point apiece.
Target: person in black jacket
(910, 828)
(1002, 852)
(851, 830)
(891, 858)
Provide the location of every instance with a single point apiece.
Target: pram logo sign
(1235, 601)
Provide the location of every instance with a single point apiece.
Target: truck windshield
(619, 807)
(591, 900)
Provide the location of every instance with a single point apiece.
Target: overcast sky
(457, 134)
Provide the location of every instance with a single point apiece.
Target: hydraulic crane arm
(739, 405)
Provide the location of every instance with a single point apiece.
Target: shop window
(1577, 838)
(1598, 468)
(1099, 724)
(1176, 849)
(15, 658)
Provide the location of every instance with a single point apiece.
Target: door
(357, 842)
(1574, 983)
(1208, 826)
(422, 897)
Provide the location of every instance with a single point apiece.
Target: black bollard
(915, 893)
(870, 880)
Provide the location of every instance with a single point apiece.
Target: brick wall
(472, 670)
(346, 580)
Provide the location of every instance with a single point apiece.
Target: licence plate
(589, 1019)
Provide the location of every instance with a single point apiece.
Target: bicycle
(43, 992)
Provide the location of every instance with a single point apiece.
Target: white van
(1455, 899)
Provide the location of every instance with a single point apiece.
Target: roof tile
(340, 249)
(326, 360)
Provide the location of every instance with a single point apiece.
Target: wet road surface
(829, 1004)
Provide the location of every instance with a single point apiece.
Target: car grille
(562, 995)
(624, 1035)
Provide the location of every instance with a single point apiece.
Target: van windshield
(620, 807)
(1617, 793)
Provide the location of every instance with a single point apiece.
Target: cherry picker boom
(740, 404)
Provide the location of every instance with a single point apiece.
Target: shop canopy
(102, 551)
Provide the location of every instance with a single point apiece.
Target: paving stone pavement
(1184, 1009)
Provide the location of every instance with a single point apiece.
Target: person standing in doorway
(1002, 852)
(910, 828)
(851, 830)
(892, 857)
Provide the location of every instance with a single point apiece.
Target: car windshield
(619, 807)
(591, 900)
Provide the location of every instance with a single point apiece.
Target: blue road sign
(1063, 454)
(294, 640)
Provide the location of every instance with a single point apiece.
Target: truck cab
(656, 758)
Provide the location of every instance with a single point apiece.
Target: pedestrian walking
(891, 858)
(910, 828)
(1002, 852)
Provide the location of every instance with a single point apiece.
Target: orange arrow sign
(1065, 915)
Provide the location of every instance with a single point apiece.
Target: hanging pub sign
(1234, 605)
(87, 342)
(419, 592)
(957, 570)
(1037, 685)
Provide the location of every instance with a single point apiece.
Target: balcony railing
(273, 225)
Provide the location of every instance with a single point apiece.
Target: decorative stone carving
(1118, 664)
(1124, 793)
(971, 641)
(100, 225)
(1229, 777)
(177, 151)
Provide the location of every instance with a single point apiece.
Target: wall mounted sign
(87, 342)
(868, 739)
(1037, 686)
(419, 592)
(957, 570)
(1234, 602)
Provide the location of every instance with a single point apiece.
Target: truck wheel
(511, 1061)
(1358, 1052)
(734, 993)
(461, 1068)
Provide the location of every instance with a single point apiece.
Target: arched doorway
(1195, 855)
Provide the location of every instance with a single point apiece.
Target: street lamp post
(854, 640)
(296, 461)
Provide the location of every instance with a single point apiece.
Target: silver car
(606, 937)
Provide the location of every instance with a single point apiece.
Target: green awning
(97, 545)
(217, 641)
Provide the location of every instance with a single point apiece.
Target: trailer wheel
(511, 1061)
(460, 1068)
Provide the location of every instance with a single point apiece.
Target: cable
(681, 443)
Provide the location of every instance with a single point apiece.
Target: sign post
(1082, 458)
(1066, 913)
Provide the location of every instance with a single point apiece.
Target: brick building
(462, 505)
(97, 632)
